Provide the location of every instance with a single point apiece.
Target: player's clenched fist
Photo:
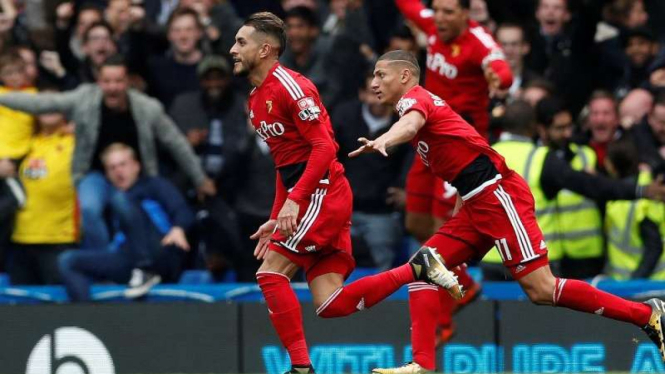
(263, 236)
(287, 219)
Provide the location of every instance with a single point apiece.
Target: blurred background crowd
(137, 103)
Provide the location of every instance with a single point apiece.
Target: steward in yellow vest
(634, 228)
(565, 195)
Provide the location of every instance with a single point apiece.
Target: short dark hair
(604, 95)
(404, 56)
(269, 24)
(90, 7)
(11, 57)
(565, 1)
(304, 13)
(543, 84)
(519, 118)
(95, 25)
(184, 12)
(617, 11)
(513, 25)
(403, 32)
(465, 4)
(116, 60)
(624, 156)
(548, 108)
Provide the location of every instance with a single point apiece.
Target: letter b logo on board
(70, 350)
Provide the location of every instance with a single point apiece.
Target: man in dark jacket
(562, 48)
(214, 121)
(376, 181)
(151, 217)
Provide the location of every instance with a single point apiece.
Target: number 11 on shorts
(502, 247)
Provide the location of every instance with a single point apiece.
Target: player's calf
(364, 292)
(539, 294)
(539, 286)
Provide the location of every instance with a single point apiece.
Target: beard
(245, 68)
(242, 73)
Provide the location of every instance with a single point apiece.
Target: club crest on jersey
(269, 106)
(455, 50)
(404, 104)
(36, 169)
(309, 111)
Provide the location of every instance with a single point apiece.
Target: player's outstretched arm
(401, 132)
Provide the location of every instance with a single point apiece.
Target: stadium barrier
(164, 338)
(119, 338)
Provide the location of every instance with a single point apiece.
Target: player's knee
(277, 264)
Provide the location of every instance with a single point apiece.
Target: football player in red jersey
(310, 220)
(465, 66)
(497, 208)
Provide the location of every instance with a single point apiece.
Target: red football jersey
(446, 143)
(288, 115)
(455, 69)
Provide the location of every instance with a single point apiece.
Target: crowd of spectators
(109, 101)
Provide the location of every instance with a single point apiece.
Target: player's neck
(408, 87)
(462, 31)
(259, 73)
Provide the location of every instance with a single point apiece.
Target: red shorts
(425, 193)
(502, 215)
(322, 242)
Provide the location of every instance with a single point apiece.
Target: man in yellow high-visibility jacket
(564, 193)
(634, 228)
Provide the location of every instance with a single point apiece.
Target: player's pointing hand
(369, 146)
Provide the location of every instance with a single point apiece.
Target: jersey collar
(269, 77)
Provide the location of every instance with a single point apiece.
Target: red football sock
(285, 314)
(447, 307)
(425, 308)
(365, 292)
(578, 295)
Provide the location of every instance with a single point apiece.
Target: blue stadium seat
(204, 277)
(195, 277)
